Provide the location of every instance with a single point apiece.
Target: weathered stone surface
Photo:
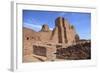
(63, 31)
(45, 28)
(75, 52)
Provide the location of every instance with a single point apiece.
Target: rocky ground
(75, 52)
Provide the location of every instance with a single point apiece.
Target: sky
(34, 19)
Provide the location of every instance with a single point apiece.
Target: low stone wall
(39, 50)
(44, 50)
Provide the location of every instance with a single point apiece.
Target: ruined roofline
(61, 20)
(61, 17)
(45, 28)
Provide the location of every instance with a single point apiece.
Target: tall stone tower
(63, 31)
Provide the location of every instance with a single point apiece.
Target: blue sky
(35, 19)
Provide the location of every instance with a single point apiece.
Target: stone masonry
(46, 39)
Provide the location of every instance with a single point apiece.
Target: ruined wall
(39, 50)
(62, 34)
(27, 41)
(46, 51)
(63, 31)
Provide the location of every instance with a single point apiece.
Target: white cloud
(35, 27)
(32, 26)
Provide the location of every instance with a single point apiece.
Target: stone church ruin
(61, 43)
